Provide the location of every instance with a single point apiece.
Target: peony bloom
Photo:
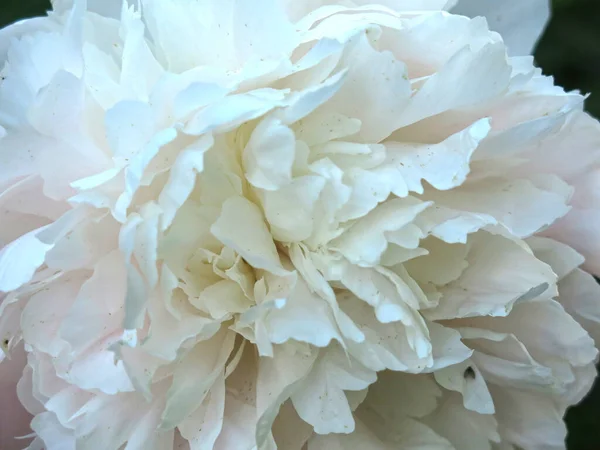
(262, 224)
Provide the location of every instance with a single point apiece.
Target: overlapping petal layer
(279, 224)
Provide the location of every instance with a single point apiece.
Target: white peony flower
(298, 225)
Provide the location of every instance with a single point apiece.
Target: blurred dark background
(570, 51)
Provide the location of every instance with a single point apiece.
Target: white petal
(183, 47)
(167, 333)
(20, 259)
(204, 362)
(195, 96)
(411, 42)
(182, 179)
(24, 207)
(317, 284)
(447, 347)
(529, 420)
(574, 345)
(222, 299)
(468, 380)
(278, 378)
(385, 345)
(305, 317)
(240, 418)
(393, 301)
(289, 430)
(443, 166)
(469, 76)
(562, 258)
(414, 435)
(375, 92)
(98, 370)
(269, 155)
(321, 127)
(320, 399)
(463, 428)
(519, 23)
(447, 264)
(482, 290)
(136, 296)
(20, 28)
(53, 434)
(290, 210)
(113, 420)
(139, 68)
(359, 439)
(45, 311)
(308, 100)
(234, 110)
(137, 165)
(366, 240)
(107, 8)
(579, 294)
(409, 434)
(242, 227)
(202, 427)
(398, 395)
(577, 230)
(522, 206)
(503, 360)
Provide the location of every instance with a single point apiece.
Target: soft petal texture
(519, 23)
(20, 259)
(277, 224)
(15, 418)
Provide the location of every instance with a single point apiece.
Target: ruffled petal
(320, 399)
(476, 292)
(242, 227)
(20, 259)
(520, 24)
(206, 362)
(579, 294)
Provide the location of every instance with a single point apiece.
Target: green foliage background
(569, 51)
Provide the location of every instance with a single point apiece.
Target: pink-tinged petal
(566, 130)
(278, 377)
(23, 205)
(20, 259)
(529, 420)
(192, 214)
(465, 429)
(579, 228)
(45, 311)
(560, 257)
(240, 414)
(481, 289)
(580, 296)
(14, 418)
(376, 90)
(206, 361)
(203, 426)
